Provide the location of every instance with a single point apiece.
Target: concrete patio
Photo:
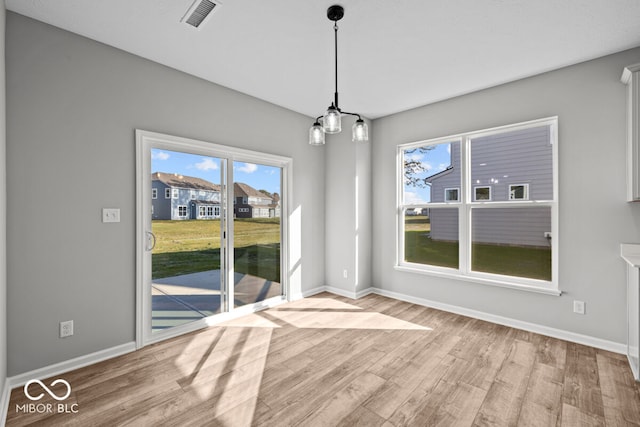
(189, 297)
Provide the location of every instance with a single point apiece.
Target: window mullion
(464, 250)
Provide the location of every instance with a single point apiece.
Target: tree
(414, 166)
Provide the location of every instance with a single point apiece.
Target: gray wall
(594, 217)
(348, 210)
(3, 211)
(73, 105)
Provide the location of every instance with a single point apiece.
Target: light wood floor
(329, 360)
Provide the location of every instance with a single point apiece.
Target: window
(154, 193)
(193, 194)
(481, 193)
(182, 211)
(479, 220)
(519, 192)
(451, 194)
(175, 193)
(167, 193)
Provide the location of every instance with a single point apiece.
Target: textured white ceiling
(393, 55)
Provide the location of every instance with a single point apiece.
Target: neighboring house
(179, 197)
(499, 173)
(251, 203)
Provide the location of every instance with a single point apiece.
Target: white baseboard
(69, 365)
(338, 291)
(341, 292)
(506, 321)
(310, 292)
(513, 323)
(4, 402)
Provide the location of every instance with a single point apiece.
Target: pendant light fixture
(331, 121)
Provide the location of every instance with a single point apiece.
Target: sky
(434, 161)
(258, 176)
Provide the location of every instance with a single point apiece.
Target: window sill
(484, 281)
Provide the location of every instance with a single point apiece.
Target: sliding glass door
(186, 273)
(210, 233)
(257, 232)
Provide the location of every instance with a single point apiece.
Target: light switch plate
(110, 215)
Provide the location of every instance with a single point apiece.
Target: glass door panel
(187, 278)
(257, 232)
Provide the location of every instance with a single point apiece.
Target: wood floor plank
(542, 403)
(619, 394)
(344, 400)
(329, 360)
(504, 400)
(362, 417)
(581, 381)
(403, 384)
(574, 417)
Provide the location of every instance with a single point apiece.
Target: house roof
(183, 181)
(242, 189)
(205, 202)
(439, 174)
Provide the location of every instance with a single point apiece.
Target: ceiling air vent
(199, 11)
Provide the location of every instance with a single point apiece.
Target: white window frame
(154, 193)
(186, 211)
(468, 202)
(446, 190)
(475, 193)
(526, 191)
(175, 193)
(193, 194)
(167, 193)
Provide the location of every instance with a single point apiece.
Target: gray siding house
(179, 197)
(512, 166)
(251, 203)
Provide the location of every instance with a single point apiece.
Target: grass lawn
(192, 246)
(516, 261)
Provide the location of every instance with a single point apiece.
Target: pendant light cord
(335, 28)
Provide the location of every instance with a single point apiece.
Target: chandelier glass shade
(331, 121)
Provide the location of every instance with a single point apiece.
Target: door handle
(151, 238)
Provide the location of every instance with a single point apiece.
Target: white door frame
(146, 140)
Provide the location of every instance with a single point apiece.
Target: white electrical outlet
(345, 274)
(110, 215)
(66, 329)
(578, 307)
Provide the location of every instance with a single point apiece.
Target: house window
(496, 232)
(481, 193)
(451, 194)
(202, 211)
(167, 193)
(193, 194)
(154, 193)
(182, 211)
(519, 192)
(175, 193)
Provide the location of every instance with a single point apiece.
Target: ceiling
(393, 55)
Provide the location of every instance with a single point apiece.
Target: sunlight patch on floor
(344, 320)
